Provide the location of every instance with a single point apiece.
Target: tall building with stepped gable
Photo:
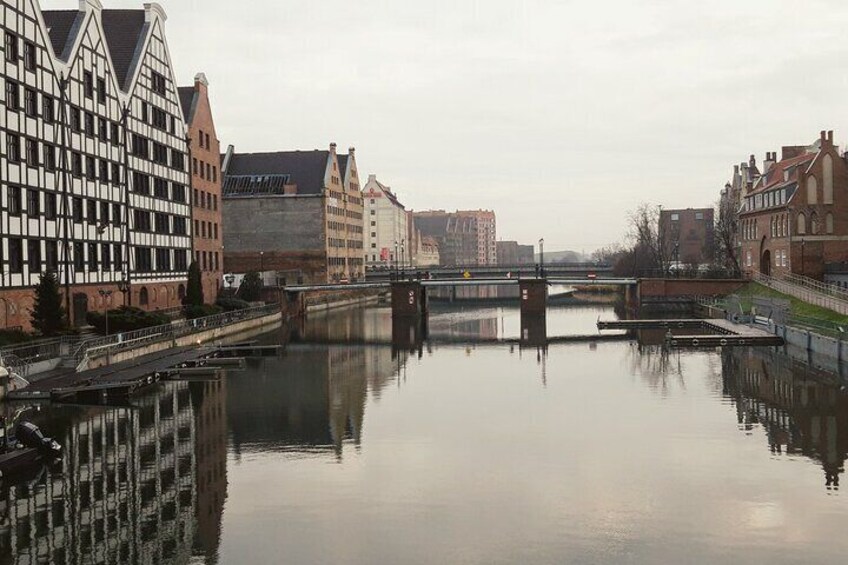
(206, 185)
(93, 160)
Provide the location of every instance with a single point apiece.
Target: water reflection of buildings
(802, 410)
(141, 484)
(210, 451)
(314, 399)
(125, 491)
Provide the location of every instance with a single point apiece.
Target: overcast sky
(560, 116)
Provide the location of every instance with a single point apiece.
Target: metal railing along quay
(808, 294)
(128, 340)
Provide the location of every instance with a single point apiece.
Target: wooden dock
(119, 381)
(717, 333)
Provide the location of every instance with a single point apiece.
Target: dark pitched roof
(342, 166)
(186, 94)
(124, 29)
(785, 172)
(306, 168)
(59, 25)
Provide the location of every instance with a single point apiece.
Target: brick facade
(689, 235)
(795, 219)
(206, 186)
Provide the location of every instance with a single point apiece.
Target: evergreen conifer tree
(48, 315)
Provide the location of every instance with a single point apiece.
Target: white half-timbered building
(93, 160)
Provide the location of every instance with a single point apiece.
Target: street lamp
(106, 294)
(542, 256)
(402, 257)
(396, 259)
(124, 288)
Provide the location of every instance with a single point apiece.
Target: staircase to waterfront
(808, 290)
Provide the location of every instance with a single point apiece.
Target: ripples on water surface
(334, 452)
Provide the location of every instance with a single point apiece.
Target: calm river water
(343, 450)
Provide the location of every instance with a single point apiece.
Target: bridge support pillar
(409, 299)
(409, 333)
(533, 294)
(534, 330)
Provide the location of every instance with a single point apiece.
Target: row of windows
(161, 223)
(44, 254)
(205, 170)
(203, 199)
(342, 243)
(207, 230)
(204, 137)
(161, 188)
(208, 260)
(13, 54)
(49, 208)
(166, 259)
(145, 148)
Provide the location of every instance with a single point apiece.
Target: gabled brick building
(205, 185)
(795, 217)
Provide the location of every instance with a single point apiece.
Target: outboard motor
(29, 435)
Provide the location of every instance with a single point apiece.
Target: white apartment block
(386, 226)
(93, 157)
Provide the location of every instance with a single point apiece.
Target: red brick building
(689, 235)
(206, 182)
(795, 217)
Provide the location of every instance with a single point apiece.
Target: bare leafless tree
(649, 235)
(727, 231)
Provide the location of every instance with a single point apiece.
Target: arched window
(812, 190)
(143, 297)
(802, 224)
(827, 179)
(828, 223)
(814, 223)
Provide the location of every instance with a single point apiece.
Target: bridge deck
(443, 282)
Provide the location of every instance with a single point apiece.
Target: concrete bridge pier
(533, 294)
(409, 299)
(409, 333)
(534, 330)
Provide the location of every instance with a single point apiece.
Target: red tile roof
(775, 177)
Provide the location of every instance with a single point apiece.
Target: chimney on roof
(333, 148)
(830, 137)
(200, 79)
(228, 156)
(372, 178)
(771, 159)
(823, 136)
(752, 161)
(351, 150)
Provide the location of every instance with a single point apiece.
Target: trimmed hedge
(230, 304)
(191, 312)
(126, 319)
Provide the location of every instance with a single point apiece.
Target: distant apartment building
(794, 218)
(387, 242)
(298, 213)
(464, 237)
(205, 184)
(93, 160)
(689, 235)
(513, 253)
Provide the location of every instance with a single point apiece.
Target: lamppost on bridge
(105, 295)
(542, 257)
(402, 258)
(396, 259)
